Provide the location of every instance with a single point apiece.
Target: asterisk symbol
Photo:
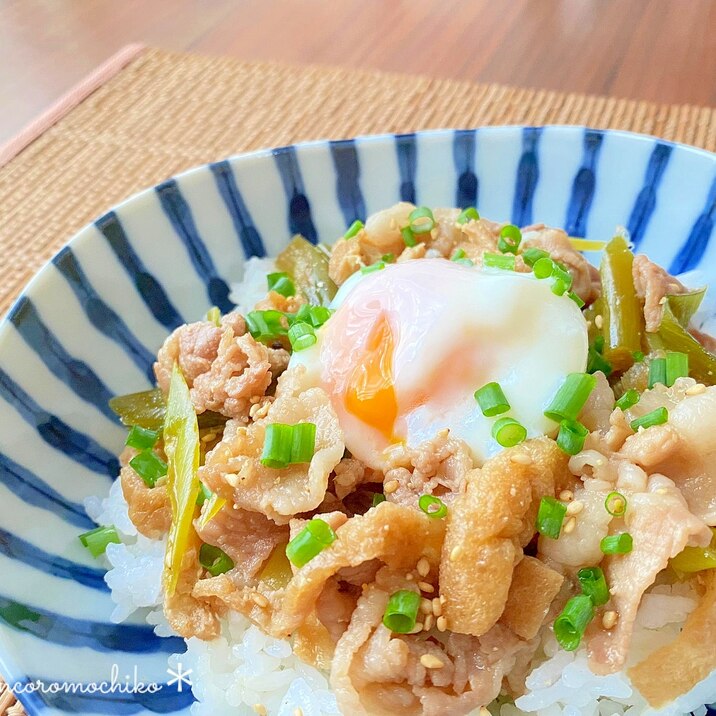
(181, 677)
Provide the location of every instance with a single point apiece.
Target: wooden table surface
(659, 50)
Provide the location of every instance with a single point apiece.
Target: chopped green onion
(569, 400)
(677, 366)
(353, 229)
(638, 356)
(149, 466)
(204, 494)
(378, 497)
(142, 438)
(213, 315)
(500, 261)
(594, 585)
(459, 254)
(281, 283)
(599, 344)
(559, 287)
(310, 541)
(597, 362)
(532, 255)
(408, 237)
(657, 372)
(560, 273)
(469, 214)
(628, 400)
(655, 417)
(432, 506)
(315, 315)
(492, 400)
(303, 446)
(571, 436)
(550, 517)
(508, 432)
(576, 299)
(266, 326)
(96, 540)
(277, 446)
(617, 544)
(388, 258)
(543, 267)
(421, 220)
(402, 611)
(510, 238)
(302, 336)
(570, 625)
(377, 266)
(616, 504)
(214, 560)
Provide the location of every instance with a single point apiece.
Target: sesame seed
(428, 624)
(574, 508)
(429, 661)
(298, 711)
(662, 300)
(410, 576)
(259, 600)
(444, 432)
(441, 623)
(455, 552)
(442, 600)
(260, 709)
(208, 437)
(599, 321)
(423, 567)
(390, 487)
(566, 495)
(437, 607)
(521, 458)
(569, 526)
(609, 619)
(696, 389)
(426, 587)
(426, 606)
(417, 628)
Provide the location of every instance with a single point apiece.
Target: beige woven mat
(166, 112)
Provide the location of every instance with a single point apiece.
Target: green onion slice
(677, 366)
(142, 438)
(408, 236)
(310, 541)
(402, 611)
(432, 506)
(532, 255)
(215, 560)
(353, 229)
(204, 494)
(459, 254)
(315, 315)
(570, 625)
(281, 283)
(302, 336)
(571, 436)
(388, 258)
(594, 585)
(616, 504)
(469, 214)
(421, 220)
(378, 497)
(303, 447)
(286, 445)
(597, 362)
(550, 517)
(492, 400)
(638, 356)
(96, 540)
(266, 326)
(617, 544)
(149, 466)
(576, 299)
(508, 432)
(569, 400)
(543, 267)
(213, 315)
(509, 240)
(500, 261)
(377, 266)
(657, 372)
(655, 417)
(628, 400)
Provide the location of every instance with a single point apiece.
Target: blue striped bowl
(89, 324)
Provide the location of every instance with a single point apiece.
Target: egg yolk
(371, 393)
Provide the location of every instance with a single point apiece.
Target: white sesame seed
(429, 661)
(569, 526)
(390, 487)
(423, 567)
(442, 600)
(441, 623)
(426, 587)
(455, 552)
(417, 628)
(521, 458)
(426, 606)
(696, 389)
(609, 619)
(599, 321)
(410, 576)
(566, 495)
(428, 623)
(574, 508)
(437, 607)
(259, 600)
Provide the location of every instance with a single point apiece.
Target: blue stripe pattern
(81, 448)
(99, 636)
(146, 284)
(350, 197)
(74, 373)
(407, 151)
(31, 489)
(691, 253)
(100, 315)
(583, 186)
(16, 548)
(527, 177)
(179, 214)
(299, 210)
(463, 153)
(646, 200)
(235, 205)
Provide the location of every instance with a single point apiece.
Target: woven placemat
(165, 112)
